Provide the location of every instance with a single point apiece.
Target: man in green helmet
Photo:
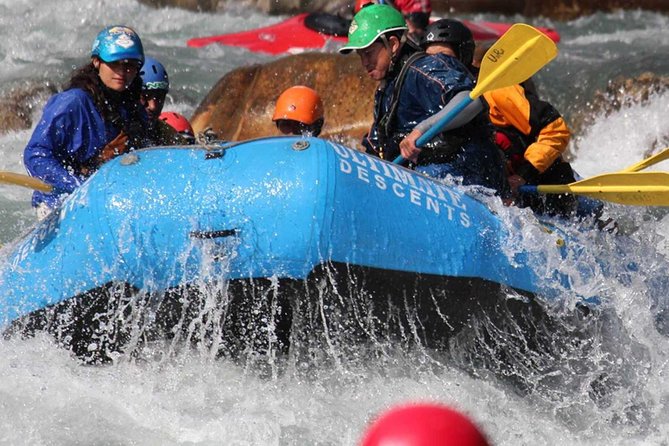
(414, 86)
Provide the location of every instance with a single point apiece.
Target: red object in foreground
(293, 36)
(423, 425)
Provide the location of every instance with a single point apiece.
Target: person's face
(440, 47)
(292, 127)
(153, 102)
(117, 75)
(376, 58)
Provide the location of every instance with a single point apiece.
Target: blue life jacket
(63, 146)
(421, 89)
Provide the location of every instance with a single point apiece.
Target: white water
(49, 398)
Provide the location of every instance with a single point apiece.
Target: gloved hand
(408, 147)
(515, 181)
(502, 141)
(114, 148)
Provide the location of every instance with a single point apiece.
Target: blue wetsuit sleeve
(430, 86)
(466, 115)
(54, 152)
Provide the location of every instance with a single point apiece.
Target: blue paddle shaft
(527, 189)
(438, 126)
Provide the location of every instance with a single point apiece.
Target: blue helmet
(154, 76)
(116, 43)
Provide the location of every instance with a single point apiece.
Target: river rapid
(49, 398)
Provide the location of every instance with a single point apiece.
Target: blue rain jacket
(429, 84)
(69, 135)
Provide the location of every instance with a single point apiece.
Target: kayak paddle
(663, 155)
(632, 188)
(513, 59)
(25, 181)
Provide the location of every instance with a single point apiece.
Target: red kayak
(317, 31)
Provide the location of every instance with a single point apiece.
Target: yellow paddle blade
(514, 58)
(25, 181)
(663, 155)
(633, 188)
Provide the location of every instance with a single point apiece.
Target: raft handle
(214, 154)
(214, 234)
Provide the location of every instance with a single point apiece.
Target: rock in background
(620, 93)
(559, 9)
(191, 5)
(17, 104)
(569, 9)
(241, 104)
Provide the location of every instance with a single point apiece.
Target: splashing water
(599, 385)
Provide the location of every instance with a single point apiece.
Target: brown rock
(621, 92)
(471, 6)
(559, 9)
(568, 9)
(267, 6)
(241, 104)
(191, 5)
(17, 105)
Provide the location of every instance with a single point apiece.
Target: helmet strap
(386, 43)
(394, 57)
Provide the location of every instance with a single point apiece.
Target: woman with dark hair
(96, 117)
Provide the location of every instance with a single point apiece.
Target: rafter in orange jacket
(538, 125)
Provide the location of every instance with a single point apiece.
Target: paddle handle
(663, 155)
(438, 126)
(527, 189)
(546, 189)
(19, 179)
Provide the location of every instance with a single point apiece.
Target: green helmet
(370, 23)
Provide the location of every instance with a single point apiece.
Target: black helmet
(454, 33)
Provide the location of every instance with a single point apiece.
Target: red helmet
(178, 122)
(423, 425)
(360, 3)
(403, 6)
(411, 6)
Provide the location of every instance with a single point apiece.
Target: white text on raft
(404, 184)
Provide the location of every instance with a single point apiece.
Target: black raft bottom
(356, 318)
(337, 310)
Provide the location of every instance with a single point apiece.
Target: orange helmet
(178, 122)
(300, 104)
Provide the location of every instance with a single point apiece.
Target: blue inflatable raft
(275, 225)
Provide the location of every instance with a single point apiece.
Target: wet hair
(396, 33)
(87, 78)
(419, 19)
(107, 101)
